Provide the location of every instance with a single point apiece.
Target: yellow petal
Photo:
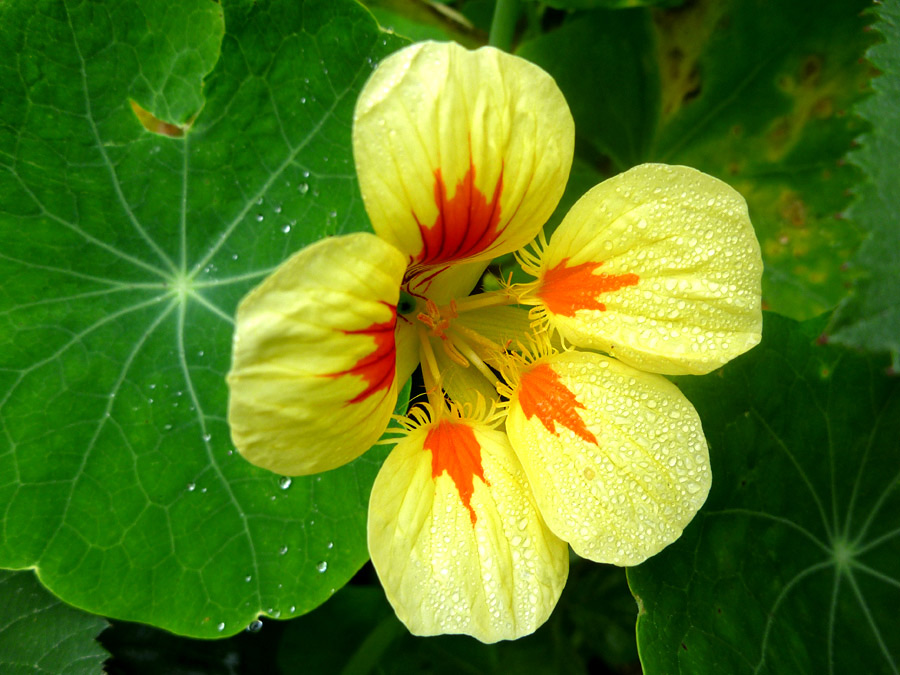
(616, 457)
(313, 375)
(659, 267)
(460, 154)
(456, 538)
(443, 283)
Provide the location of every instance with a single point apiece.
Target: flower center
(438, 329)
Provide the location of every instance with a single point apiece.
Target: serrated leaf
(870, 318)
(754, 92)
(124, 254)
(40, 634)
(793, 564)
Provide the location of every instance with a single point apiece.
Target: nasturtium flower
(548, 421)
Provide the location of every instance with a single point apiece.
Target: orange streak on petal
(455, 450)
(565, 290)
(542, 394)
(466, 225)
(378, 368)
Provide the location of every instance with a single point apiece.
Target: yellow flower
(461, 157)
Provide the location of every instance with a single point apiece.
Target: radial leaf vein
(109, 248)
(777, 519)
(98, 142)
(75, 340)
(881, 576)
(107, 411)
(201, 421)
(832, 616)
(803, 476)
(213, 308)
(293, 153)
(871, 620)
(785, 590)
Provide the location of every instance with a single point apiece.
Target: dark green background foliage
(124, 252)
(41, 634)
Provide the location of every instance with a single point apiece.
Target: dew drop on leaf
(255, 626)
(284, 482)
(322, 566)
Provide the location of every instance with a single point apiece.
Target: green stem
(503, 25)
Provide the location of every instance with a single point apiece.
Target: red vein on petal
(377, 368)
(541, 394)
(565, 290)
(455, 450)
(466, 224)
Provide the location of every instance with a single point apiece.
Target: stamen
(482, 300)
(431, 374)
(473, 358)
(438, 321)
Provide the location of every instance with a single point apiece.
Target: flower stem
(503, 25)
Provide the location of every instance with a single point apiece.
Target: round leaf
(124, 253)
(793, 564)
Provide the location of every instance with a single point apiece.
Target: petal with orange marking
(313, 376)
(460, 154)
(616, 456)
(659, 267)
(456, 538)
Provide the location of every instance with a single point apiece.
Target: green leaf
(754, 92)
(124, 254)
(793, 564)
(40, 634)
(603, 64)
(609, 4)
(870, 318)
(762, 104)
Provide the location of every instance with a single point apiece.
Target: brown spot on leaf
(779, 135)
(810, 70)
(792, 209)
(823, 108)
(155, 125)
